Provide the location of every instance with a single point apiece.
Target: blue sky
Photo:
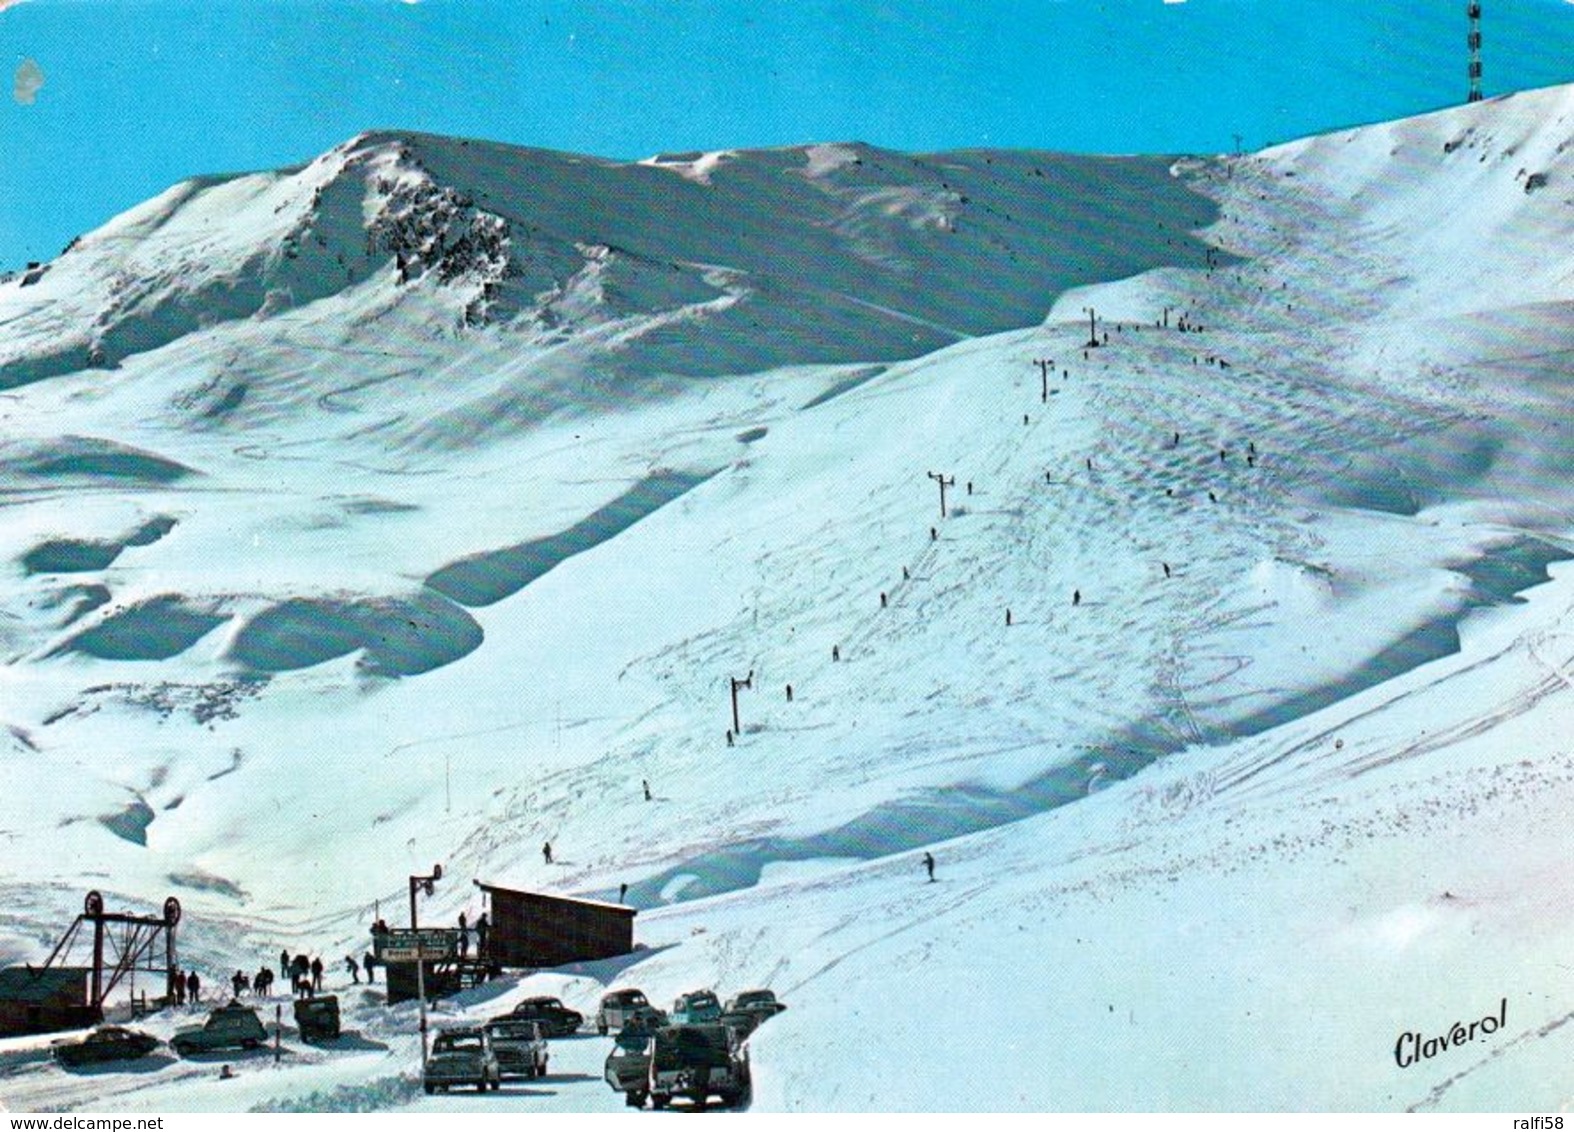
(138, 94)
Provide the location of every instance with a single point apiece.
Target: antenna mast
(1475, 51)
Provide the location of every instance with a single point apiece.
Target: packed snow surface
(419, 504)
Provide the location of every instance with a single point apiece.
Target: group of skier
(185, 988)
(304, 972)
(482, 929)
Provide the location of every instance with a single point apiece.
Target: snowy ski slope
(417, 504)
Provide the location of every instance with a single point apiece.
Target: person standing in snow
(546, 846)
(284, 964)
(464, 937)
(353, 968)
(317, 975)
(929, 864)
(482, 926)
(193, 987)
(237, 984)
(645, 782)
(367, 961)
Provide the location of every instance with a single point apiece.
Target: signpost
(419, 946)
(409, 946)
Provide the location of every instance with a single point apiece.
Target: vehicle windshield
(683, 1047)
(632, 1041)
(635, 998)
(457, 1043)
(756, 998)
(512, 1031)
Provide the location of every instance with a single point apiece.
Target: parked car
(627, 1069)
(616, 1009)
(748, 1009)
(228, 1026)
(317, 1017)
(107, 1043)
(696, 1007)
(520, 1046)
(462, 1056)
(556, 1019)
(697, 1062)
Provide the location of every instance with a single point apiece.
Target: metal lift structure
(122, 943)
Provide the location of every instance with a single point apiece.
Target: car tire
(634, 1099)
(658, 1101)
(430, 1089)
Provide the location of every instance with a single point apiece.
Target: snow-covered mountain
(418, 503)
